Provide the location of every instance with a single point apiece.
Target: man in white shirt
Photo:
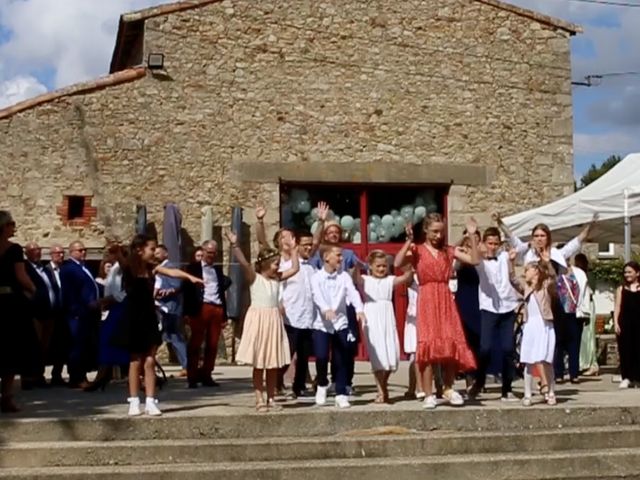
(297, 300)
(333, 290)
(498, 304)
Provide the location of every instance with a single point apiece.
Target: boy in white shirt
(333, 290)
(498, 304)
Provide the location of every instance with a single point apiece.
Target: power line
(595, 80)
(611, 3)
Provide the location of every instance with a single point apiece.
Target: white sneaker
(150, 407)
(421, 395)
(430, 402)
(526, 402)
(321, 395)
(625, 383)
(134, 406)
(342, 401)
(455, 399)
(510, 398)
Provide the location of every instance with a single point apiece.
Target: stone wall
(294, 84)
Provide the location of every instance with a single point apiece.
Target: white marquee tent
(615, 197)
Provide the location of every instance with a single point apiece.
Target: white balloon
(356, 224)
(304, 206)
(373, 237)
(315, 226)
(357, 237)
(375, 219)
(314, 213)
(372, 227)
(347, 223)
(407, 213)
(420, 212)
(331, 215)
(394, 213)
(387, 221)
(308, 220)
(337, 219)
(432, 207)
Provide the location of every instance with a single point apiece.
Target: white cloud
(620, 142)
(19, 88)
(59, 41)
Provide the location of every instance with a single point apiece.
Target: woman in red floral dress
(441, 339)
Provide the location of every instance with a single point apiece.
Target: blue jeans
(568, 337)
(338, 344)
(172, 334)
(497, 326)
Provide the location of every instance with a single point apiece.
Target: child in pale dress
(380, 329)
(538, 335)
(264, 343)
(415, 389)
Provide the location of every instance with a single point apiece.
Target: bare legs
(258, 388)
(382, 384)
(147, 365)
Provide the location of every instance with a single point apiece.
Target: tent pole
(627, 228)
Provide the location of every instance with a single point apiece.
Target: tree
(596, 172)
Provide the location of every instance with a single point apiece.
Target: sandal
(551, 399)
(272, 405)
(261, 407)
(544, 389)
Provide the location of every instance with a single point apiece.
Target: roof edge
(569, 27)
(123, 76)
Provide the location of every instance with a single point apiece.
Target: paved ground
(235, 396)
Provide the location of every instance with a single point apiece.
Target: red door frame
(362, 250)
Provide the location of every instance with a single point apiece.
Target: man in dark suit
(45, 301)
(59, 345)
(205, 309)
(81, 309)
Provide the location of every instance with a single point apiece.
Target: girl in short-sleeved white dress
(380, 328)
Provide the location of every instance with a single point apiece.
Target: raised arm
(573, 246)
(405, 278)
(471, 257)
(520, 246)
(513, 279)
(616, 310)
(400, 259)
(249, 272)
(295, 262)
(323, 211)
(261, 233)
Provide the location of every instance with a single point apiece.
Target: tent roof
(566, 216)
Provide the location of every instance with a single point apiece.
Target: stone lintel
(373, 172)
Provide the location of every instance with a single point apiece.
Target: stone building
(462, 103)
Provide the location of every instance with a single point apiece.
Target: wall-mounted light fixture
(155, 61)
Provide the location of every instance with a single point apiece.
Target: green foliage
(596, 172)
(607, 271)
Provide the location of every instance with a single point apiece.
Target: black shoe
(210, 382)
(192, 385)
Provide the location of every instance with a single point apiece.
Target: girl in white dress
(538, 335)
(380, 329)
(264, 343)
(415, 389)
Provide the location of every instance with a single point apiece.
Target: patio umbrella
(171, 237)
(141, 219)
(206, 233)
(236, 291)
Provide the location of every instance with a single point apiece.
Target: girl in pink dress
(441, 339)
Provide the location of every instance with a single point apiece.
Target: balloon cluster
(380, 228)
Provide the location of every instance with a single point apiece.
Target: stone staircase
(310, 443)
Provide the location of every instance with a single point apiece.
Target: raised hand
(471, 226)
(232, 237)
(323, 211)
(495, 216)
(408, 230)
(260, 212)
(513, 254)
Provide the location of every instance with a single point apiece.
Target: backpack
(568, 291)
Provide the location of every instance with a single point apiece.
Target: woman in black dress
(15, 284)
(142, 334)
(627, 324)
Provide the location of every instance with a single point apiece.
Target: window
(606, 249)
(75, 210)
(378, 211)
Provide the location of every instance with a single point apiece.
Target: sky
(49, 44)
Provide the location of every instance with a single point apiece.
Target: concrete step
(608, 464)
(311, 422)
(376, 443)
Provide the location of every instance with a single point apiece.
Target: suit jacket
(193, 294)
(79, 290)
(42, 307)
